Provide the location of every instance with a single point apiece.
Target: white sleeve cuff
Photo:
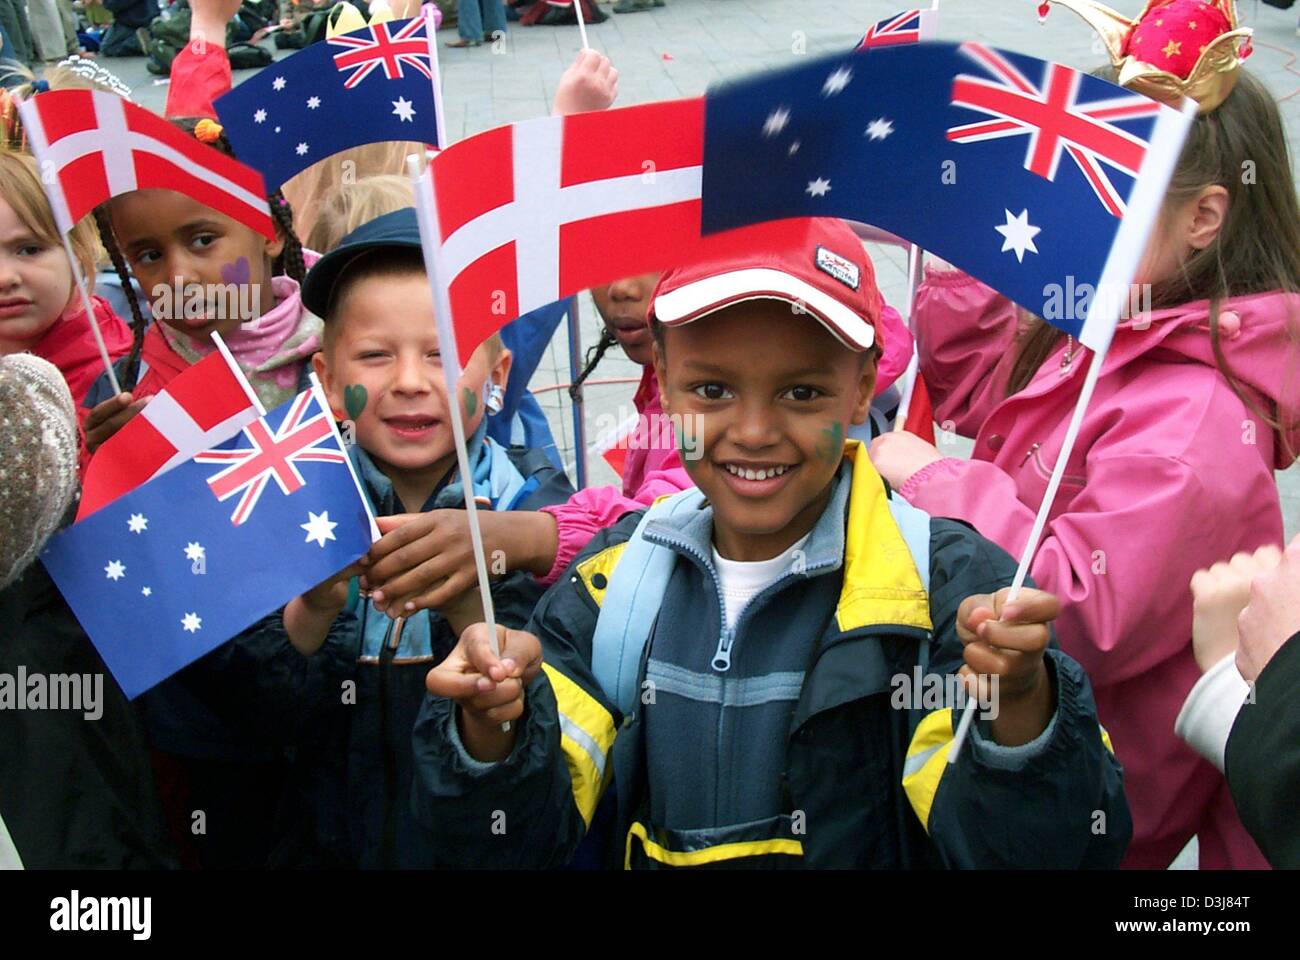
(1209, 710)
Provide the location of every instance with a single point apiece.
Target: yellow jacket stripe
(586, 737)
(602, 563)
(927, 759)
(695, 858)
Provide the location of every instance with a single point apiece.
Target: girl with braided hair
(201, 272)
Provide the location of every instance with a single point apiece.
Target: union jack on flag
(1054, 120)
(378, 45)
(272, 456)
(910, 26)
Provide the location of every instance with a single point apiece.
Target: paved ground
(682, 48)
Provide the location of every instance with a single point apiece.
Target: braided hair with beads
(289, 263)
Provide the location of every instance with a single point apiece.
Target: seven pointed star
(879, 128)
(138, 523)
(818, 188)
(319, 527)
(1018, 235)
(115, 570)
(403, 109)
(191, 622)
(776, 121)
(837, 81)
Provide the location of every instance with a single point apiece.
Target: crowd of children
(700, 666)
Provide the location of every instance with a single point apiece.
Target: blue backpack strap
(914, 524)
(636, 589)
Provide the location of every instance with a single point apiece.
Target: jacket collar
(856, 531)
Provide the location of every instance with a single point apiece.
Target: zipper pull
(722, 656)
(1030, 453)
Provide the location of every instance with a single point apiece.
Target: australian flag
(178, 566)
(1031, 176)
(364, 87)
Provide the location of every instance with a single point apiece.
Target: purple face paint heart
(236, 272)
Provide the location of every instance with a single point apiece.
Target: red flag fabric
(920, 414)
(98, 146)
(200, 408)
(536, 211)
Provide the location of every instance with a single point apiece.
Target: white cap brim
(703, 297)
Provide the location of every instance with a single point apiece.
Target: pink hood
(1171, 473)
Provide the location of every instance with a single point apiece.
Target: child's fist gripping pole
(1008, 640)
(488, 688)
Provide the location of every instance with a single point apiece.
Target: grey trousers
(53, 27)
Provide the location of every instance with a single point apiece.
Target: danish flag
(1054, 121)
(408, 46)
(272, 456)
(98, 146)
(533, 212)
(910, 26)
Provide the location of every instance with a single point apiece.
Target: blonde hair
(351, 205)
(74, 73)
(20, 186)
(310, 191)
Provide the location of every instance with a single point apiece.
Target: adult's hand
(1273, 615)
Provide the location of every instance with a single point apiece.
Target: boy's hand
(488, 689)
(1009, 640)
(1273, 615)
(107, 418)
(307, 617)
(1219, 594)
(590, 83)
(896, 456)
(424, 561)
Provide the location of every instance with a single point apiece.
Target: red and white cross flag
(527, 214)
(92, 145)
(204, 406)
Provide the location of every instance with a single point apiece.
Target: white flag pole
(90, 311)
(908, 381)
(1117, 274)
(426, 209)
(249, 392)
(582, 24)
(430, 30)
(35, 128)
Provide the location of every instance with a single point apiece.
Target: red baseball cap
(817, 262)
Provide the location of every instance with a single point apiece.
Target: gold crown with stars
(1174, 49)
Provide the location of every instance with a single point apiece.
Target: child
(758, 623)
(1173, 470)
(40, 306)
(174, 245)
(380, 368)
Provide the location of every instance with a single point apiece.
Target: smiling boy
(725, 659)
(381, 368)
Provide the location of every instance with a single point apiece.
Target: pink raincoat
(1171, 472)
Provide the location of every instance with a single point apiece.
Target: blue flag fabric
(169, 572)
(363, 87)
(1022, 172)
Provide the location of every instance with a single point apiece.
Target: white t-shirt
(741, 581)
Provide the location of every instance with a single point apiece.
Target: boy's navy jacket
(849, 779)
(357, 778)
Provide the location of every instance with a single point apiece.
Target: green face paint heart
(354, 400)
(833, 448)
(471, 401)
